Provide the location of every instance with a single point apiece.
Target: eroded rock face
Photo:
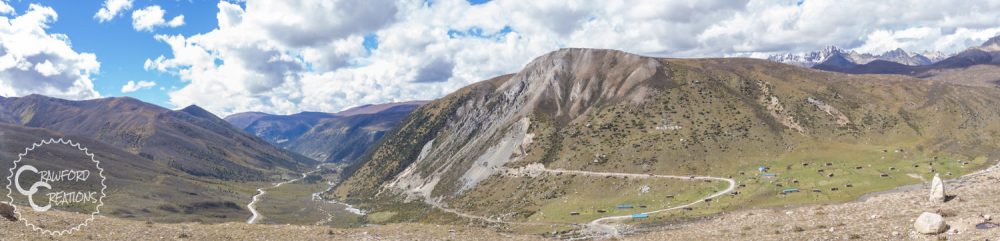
(7, 212)
(937, 194)
(930, 223)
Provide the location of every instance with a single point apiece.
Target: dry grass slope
(610, 111)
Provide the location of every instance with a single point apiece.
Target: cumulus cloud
(133, 86)
(290, 56)
(33, 61)
(261, 56)
(435, 71)
(926, 39)
(5, 8)
(316, 22)
(868, 26)
(111, 9)
(148, 18)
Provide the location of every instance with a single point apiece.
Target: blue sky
(326, 55)
(121, 49)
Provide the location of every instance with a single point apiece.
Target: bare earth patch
(104, 228)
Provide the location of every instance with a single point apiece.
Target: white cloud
(133, 86)
(111, 9)
(307, 23)
(290, 56)
(177, 21)
(151, 17)
(875, 26)
(5, 8)
(266, 51)
(925, 39)
(33, 61)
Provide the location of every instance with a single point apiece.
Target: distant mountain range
(833, 55)
(330, 137)
(987, 53)
(572, 109)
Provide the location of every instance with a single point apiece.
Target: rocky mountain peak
(578, 57)
(832, 55)
(898, 52)
(568, 81)
(934, 56)
(808, 59)
(831, 49)
(991, 45)
(196, 110)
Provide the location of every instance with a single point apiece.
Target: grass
(171, 199)
(380, 217)
(606, 194)
(845, 158)
(555, 197)
(763, 192)
(292, 204)
(718, 118)
(905, 161)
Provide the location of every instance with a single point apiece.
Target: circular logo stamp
(56, 174)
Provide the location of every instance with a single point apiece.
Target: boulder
(7, 211)
(937, 194)
(930, 223)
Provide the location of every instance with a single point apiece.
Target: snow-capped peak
(807, 59)
(897, 55)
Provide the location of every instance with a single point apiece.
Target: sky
(289, 56)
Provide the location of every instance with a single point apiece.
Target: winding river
(256, 216)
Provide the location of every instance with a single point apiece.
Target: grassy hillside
(191, 139)
(610, 111)
(162, 165)
(138, 188)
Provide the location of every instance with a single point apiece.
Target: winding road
(252, 206)
(597, 227)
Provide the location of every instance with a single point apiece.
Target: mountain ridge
(143, 128)
(988, 53)
(898, 55)
(611, 111)
(162, 165)
(327, 137)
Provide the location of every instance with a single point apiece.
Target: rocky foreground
(891, 216)
(104, 228)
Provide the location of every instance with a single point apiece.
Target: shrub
(7, 211)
